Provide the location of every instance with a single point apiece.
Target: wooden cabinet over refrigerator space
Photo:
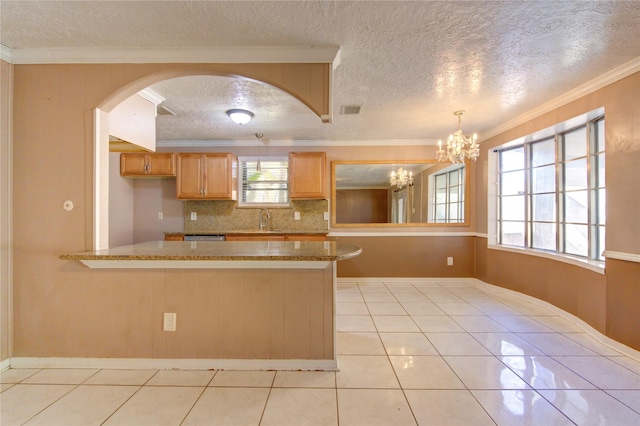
(307, 175)
(207, 176)
(159, 164)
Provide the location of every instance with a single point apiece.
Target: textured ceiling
(409, 64)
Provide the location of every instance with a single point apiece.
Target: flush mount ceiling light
(240, 116)
(459, 145)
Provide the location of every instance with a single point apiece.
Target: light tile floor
(429, 353)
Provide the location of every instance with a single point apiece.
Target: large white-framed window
(263, 181)
(551, 191)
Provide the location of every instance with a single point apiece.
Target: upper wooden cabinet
(207, 176)
(160, 164)
(307, 175)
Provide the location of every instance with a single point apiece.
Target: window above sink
(263, 182)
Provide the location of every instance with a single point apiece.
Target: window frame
(595, 152)
(456, 169)
(242, 179)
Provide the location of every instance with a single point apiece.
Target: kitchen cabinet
(207, 176)
(307, 175)
(174, 237)
(159, 164)
(255, 238)
(276, 237)
(305, 237)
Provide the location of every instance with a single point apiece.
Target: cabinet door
(219, 170)
(255, 238)
(306, 237)
(174, 237)
(307, 178)
(133, 164)
(161, 164)
(190, 176)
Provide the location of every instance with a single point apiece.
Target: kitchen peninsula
(258, 304)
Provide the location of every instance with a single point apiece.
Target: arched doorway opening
(308, 83)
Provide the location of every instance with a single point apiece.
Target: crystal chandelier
(401, 178)
(459, 146)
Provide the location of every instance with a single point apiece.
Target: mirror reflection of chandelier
(401, 178)
(459, 146)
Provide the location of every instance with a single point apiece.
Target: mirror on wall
(398, 193)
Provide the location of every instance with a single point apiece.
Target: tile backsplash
(225, 216)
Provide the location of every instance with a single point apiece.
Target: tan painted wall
(6, 85)
(121, 204)
(59, 307)
(576, 290)
(610, 302)
(409, 257)
(623, 302)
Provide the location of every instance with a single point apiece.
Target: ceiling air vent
(350, 109)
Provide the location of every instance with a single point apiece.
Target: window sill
(592, 265)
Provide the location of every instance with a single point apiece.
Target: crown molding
(5, 53)
(324, 142)
(60, 55)
(598, 83)
(152, 96)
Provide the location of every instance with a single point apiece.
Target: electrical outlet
(296, 216)
(160, 216)
(169, 322)
(326, 215)
(449, 261)
(194, 216)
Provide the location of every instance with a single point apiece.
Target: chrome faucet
(261, 224)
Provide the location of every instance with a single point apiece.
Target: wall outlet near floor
(296, 215)
(169, 322)
(449, 261)
(194, 216)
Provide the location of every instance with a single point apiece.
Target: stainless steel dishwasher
(198, 237)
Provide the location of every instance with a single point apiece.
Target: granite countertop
(224, 251)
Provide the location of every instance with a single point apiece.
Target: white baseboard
(177, 364)
(5, 364)
(297, 364)
(601, 338)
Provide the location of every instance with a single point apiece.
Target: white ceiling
(409, 64)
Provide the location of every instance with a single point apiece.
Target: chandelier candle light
(459, 146)
(401, 178)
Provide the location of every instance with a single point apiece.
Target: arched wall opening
(308, 83)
